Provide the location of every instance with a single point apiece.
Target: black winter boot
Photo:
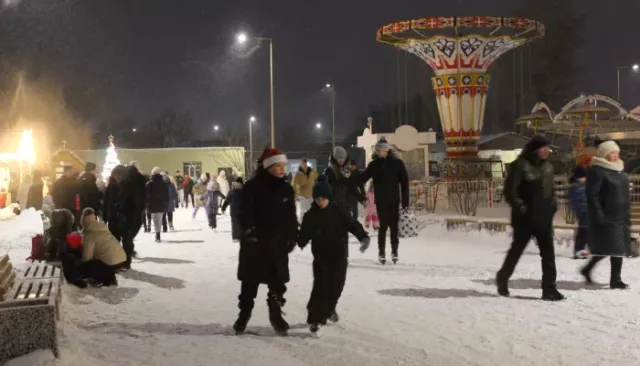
(552, 294)
(275, 315)
(243, 319)
(157, 237)
(503, 285)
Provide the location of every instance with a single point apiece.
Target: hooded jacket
(303, 182)
(98, 243)
(342, 184)
(157, 194)
(529, 189)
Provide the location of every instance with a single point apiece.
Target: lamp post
(333, 113)
(634, 67)
(242, 38)
(318, 126)
(252, 119)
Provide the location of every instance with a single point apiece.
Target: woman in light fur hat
(609, 212)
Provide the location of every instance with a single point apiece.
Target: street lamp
(318, 126)
(134, 130)
(634, 67)
(216, 128)
(241, 39)
(333, 112)
(252, 120)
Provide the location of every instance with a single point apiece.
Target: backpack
(37, 249)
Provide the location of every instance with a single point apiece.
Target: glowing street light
(252, 120)
(241, 39)
(134, 129)
(216, 127)
(332, 90)
(318, 126)
(634, 67)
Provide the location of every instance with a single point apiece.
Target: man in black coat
(157, 199)
(65, 190)
(344, 187)
(327, 226)
(90, 195)
(269, 225)
(529, 190)
(390, 182)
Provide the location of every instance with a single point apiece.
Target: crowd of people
(600, 197)
(270, 216)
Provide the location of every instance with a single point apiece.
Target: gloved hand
(291, 244)
(364, 244)
(250, 236)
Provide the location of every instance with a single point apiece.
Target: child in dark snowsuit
(327, 226)
(213, 197)
(234, 199)
(578, 201)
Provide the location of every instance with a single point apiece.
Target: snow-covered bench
(29, 311)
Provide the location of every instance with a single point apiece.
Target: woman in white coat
(223, 182)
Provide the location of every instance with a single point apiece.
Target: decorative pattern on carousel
(460, 50)
(461, 104)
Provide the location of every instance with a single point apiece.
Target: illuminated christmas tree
(110, 161)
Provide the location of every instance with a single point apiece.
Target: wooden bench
(29, 311)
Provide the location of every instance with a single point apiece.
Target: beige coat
(98, 243)
(303, 183)
(200, 193)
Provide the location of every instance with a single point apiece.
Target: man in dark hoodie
(339, 177)
(390, 181)
(90, 195)
(530, 192)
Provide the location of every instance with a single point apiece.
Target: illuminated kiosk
(460, 51)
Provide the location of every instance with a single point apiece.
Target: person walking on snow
(578, 201)
(270, 227)
(391, 182)
(174, 198)
(157, 200)
(327, 226)
(529, 190)
(303, 183)
(609, 212)
(90, 195)
(213, 200)
(234, 199)
(187, 188)
(200, 193)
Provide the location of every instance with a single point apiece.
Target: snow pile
(8, 213)
(37, 358)
(16, 234)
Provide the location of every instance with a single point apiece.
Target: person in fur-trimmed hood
(391, 190)
(609, 212)
(529, 190)
(327, 226)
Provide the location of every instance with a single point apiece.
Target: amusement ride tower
(460, 51)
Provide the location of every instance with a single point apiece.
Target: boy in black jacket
(327, 226)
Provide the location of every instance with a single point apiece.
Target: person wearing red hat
(269, 230)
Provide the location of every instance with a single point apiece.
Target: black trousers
(213, 221)
(167, 216)
(249, 291)
(388, 216)
(353, 207)
(522, 233)
(186, 199)
(581, 239)
(114, 229)
(616, 267)
(99, 271)
(236, 230)
(328, 283)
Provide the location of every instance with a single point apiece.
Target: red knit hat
(271, 156)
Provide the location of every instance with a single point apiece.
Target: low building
(191, 161)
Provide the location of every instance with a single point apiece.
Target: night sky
(134, 58)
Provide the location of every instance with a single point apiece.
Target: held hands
(291, 245)
(364, 244)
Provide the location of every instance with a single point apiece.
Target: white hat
(606, 148)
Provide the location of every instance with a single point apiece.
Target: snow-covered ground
(436, 307)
